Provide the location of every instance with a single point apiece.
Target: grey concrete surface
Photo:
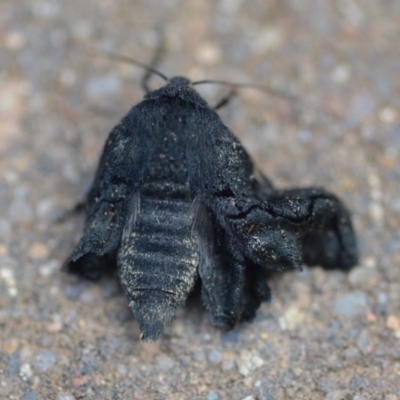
(325, 335)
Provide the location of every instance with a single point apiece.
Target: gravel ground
(325, 335)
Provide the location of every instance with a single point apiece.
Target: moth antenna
(225, 100)
(149, 70)
(268, 90)
(155, 61)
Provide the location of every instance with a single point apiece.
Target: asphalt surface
(326, 334)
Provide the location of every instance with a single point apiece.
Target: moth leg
(76, 209)
(322, 223)
(255, 291)
(226, 99)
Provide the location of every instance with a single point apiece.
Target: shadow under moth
(175, 202)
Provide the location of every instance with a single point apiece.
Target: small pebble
(178, 326)
(14, 41)
(209, 54)
(103, 85)
(56, 325)
(350, 304)
(64, 396)
(370, 317)
(341, 73)
(38, 250)
(87, 296)
(44, 360)
(230, 7)
(364, 275)
(297, 372)
(73, 291)
(20, 212)
(351, 353)
(248, 362)
(228, 365)
(391, 397)
(7, 275)
(5, 390)
(70, 173)
(49, 268)
(165, 363)
(267, 40)
(335, 395)
(382, 298)
(25, 371)
(110, 289)
(304, 136)
(392, 323)
(357, 382)
(198, 356)
(363, 341)
(10, 346)
(212, 395)
(291, 319)
(79, 381)
(388, 115)
(5, 228)
(397, 334)
(44, 209)
(67, 77)
(376, 212)
(214, 356)
(31, 395)
(13, 363)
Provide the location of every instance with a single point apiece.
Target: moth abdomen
(158, 261)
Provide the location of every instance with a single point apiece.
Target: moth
(176, 202)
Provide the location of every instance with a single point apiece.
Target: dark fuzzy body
(175, 200)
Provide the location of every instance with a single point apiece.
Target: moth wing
(322, 223)
(122, 163)
(221, 275)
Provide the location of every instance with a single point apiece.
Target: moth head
(179, 81)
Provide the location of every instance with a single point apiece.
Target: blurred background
(325, 335)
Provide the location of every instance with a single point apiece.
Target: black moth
(175, 201)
